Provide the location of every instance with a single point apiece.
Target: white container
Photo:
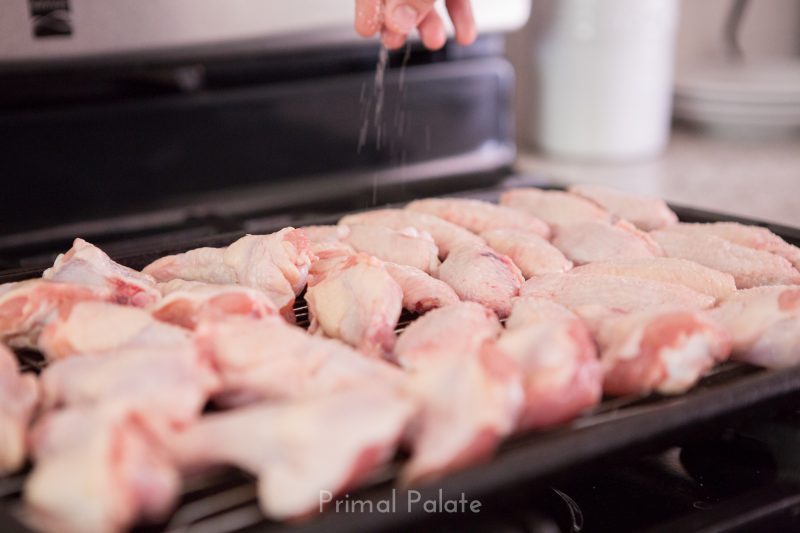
(605, 70)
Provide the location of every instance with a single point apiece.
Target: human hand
(395, 19)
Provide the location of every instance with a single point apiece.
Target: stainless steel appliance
(53, 32)
(198, 97)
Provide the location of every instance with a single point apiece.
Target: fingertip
(368, 17)
(463, 20)
(393, 40)
(466, 36)
(402, 16)
(434, 43)
(432, 31)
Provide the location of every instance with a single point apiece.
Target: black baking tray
(732, 392)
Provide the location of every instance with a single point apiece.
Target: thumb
(402, 16)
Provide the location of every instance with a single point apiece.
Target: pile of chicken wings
(527, 312)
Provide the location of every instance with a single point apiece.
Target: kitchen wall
(771, 27)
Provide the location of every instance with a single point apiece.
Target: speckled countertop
(746, 178)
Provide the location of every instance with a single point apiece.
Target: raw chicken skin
(687, 273)
(27, 306)
(479, 274)
(187, 303)
(754, 237)
(644, 212)
(324, 234)
(421, 292)
(777, 347)
(749, 267)
(598, 296)
(531, 253)
(19, 394)
(557, 208)
(561, 374)
(407, 247)
(276, 264)
(470, 392)
(478, 216)
(329, 256)
(528, 311)
(442, 333)
(324, 242)
(300, 449)
(588, 242)
(97, 470)
(163, 387)
(96, 327)
(651, 334)
(404, 247)
(86, 264)
(665, 351)
(201, 264)
(275, 361)
(764, 323)
(469, 403)
(446, 235)
(359, 303)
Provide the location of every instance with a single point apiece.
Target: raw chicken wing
(644, 212)
(597, 296)
(96, 327)
(201, 264)
(754, 237)
(329, 256)
(599, 241)
(27, 306)
(457, 329)
(421, 292)
(446, 235)
(765, 325)
(86, 264)
(651, 334)
(665, 351)
(360, 303)
(557, 208)
(407, 247)
(469, 403)
(478, 216)
(479, 274)
(276, 264)
(272, 360)
(327, 247)
(164, 387)
(19, 394)
(187, 303)
(531, 253)
(317, 235)
(97, 470)
(687, 273)
(561, 373)
(749, 267)
(300, 449)
(469, 391)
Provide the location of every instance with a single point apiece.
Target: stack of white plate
(741, 98)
